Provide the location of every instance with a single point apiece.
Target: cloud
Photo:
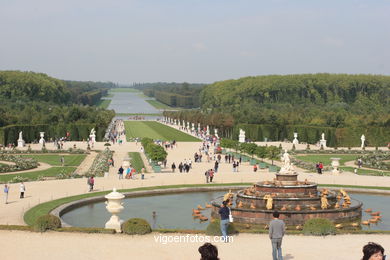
(332, 41)
(199, 46)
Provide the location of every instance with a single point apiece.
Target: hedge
(346, 137)
(136, 226)
(78, 132)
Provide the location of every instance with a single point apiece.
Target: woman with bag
(224, 211)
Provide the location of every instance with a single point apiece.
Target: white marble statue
(288, 167)
(92, 136)
(363, 139)
(241, 136)
(323, 141)
(42, 135)
(208, 130)
(21, 142)
(295, 141)
(216, 132)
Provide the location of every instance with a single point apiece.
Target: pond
(131, 102)
(175, 210)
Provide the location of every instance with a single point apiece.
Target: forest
(344, 106)
(29, 99)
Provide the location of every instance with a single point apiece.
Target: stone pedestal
(114, 206)
(21, 143)
(92, 138)
(323, 143)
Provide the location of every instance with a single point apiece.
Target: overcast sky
(193, 40)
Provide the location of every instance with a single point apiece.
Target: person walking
(224, 212)
(120, 172)
(91, 182)
(321, 167)
(277, 229)
(207, 174)
(22, 189)
(173, 167)
(62, 160)
(6, 190)
(211, 173)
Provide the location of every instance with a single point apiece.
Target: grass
(123, 90)
(55, 160)
(158, 104)
(366, 171)
(136, 161)
(104, 103)
(155, 131)
(32, 176)
(325, 158)
(138, 114)
(44, 208)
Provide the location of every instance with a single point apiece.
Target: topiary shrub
(214, 228)
(47, 222)
(136, 226)
(319, 227)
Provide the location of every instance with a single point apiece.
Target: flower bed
(28, 151)
(21, 163)
(376, 161)
(100, 164)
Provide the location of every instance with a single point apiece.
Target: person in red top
(320, 167)
(211, 175)
(255, 168)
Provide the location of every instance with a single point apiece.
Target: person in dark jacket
(224, 212)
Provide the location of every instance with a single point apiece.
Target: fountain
(297, 201)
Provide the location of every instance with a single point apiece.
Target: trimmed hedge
(88, 230)
(319, 227)
(214, 228)
(47, 222)
(347, 137)
(136, 226)
(78, 132)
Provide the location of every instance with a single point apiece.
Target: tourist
(373, 251)
(181, 167)
(62, 160)
(234, 166)
(128, 170)
(321, 167)
(211, 175)
(6, 191)
(360, 162)
(207, 174)
(173, 167)
(216, 165)
(208, 252)
(120, 172)
(22, 190)
(276, 233)
(255, 168)
(142, 173)
(224, 212)
(91, 182)
(318, 167)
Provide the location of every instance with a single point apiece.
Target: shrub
(47, 222)
(319, 227)
(214, 228)
(136, 226)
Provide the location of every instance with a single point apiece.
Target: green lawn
(138, 114)
(104, 103)
(158, 104)
(366, 171)
(136, 161)
(123, 90)
(325, 158)
(55, 160)
(51, 172)
(155, 130)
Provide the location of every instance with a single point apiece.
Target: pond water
(174, 210)
(131, 102)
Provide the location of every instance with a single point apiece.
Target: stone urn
(114, 206)
(42, 135)
(335, 164)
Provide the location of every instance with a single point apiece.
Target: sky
(198, 41)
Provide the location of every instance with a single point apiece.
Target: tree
(261, 152)
(273, 153)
